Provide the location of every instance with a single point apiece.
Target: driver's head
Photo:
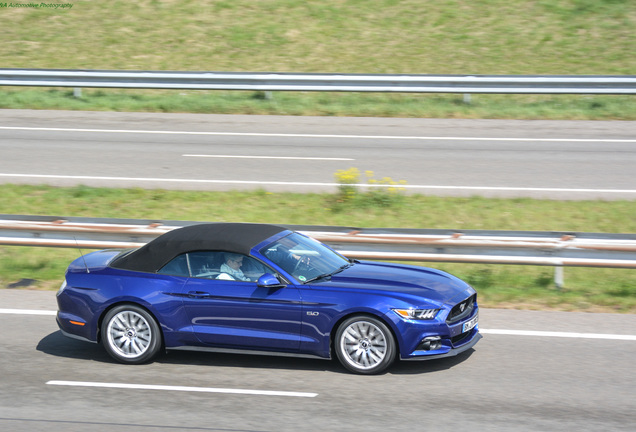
(234, 260)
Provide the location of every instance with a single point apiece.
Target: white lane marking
(27, 312)
(559, 334)
(282, 135)
(281, 183)
(182, 388)
(481, 330)
(268, 157)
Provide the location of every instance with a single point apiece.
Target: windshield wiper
(326, 275)
(322, 276)
(343, 267)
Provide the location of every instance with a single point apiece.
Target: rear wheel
(131, 335)
(365, 345)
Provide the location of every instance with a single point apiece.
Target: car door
(239, 314)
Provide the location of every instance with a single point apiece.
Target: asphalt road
(541, 159)
(509, 382)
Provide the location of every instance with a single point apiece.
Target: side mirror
(268, 280)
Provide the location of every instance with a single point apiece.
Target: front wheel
(131, 335)
(364, 345)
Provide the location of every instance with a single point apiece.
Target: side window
(253, 269)
(226, 266)
(177, 267)
(206, 264)
(216, 265)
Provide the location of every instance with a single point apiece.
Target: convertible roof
(230, 237)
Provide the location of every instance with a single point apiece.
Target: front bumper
(448, 339)
(450, 353)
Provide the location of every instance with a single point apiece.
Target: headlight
(417, 314)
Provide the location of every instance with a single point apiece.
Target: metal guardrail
(466, 246)
(256, 81)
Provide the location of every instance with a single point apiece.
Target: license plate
(469, 325)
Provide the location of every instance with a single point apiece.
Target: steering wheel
(303, 260)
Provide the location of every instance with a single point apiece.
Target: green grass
(499, 285)
(493, 37)
(564, 107)
(345, 36)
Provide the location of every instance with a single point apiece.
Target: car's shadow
(56, 344)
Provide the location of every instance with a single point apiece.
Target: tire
(131, 335)
(364, 345)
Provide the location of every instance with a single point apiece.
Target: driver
(231, 269)
(284, 257)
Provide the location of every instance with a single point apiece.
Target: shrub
(384, 192)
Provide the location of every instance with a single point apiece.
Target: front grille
(462, 309)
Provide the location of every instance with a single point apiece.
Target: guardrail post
(559, 277)
(77, 92)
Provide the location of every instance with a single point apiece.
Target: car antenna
(82, 254)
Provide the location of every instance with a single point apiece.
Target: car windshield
(304, 258)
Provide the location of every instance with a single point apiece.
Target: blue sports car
(256, 288)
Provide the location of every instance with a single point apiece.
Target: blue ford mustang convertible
(264, 289)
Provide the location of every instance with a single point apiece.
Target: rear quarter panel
(88, 296)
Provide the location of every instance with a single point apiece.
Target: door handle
(199, 294)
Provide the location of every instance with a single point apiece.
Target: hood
(423, 282)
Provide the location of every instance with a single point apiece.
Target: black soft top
(229, 237)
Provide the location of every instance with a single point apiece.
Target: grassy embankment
(520, 37)
(585, 289)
